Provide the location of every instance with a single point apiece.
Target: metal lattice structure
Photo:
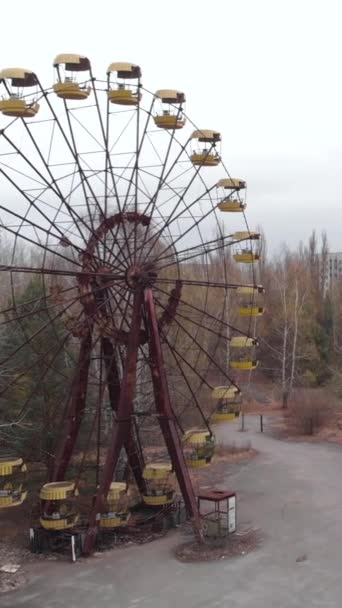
(122, 204)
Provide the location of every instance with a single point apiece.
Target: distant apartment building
(333, 269)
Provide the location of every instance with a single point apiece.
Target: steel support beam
(134, 455)
(121, 428)
(75, 410)
(166, 416)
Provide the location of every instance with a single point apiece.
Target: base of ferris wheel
(143, 525)
(217, 509)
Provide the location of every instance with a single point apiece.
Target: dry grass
(223, 451)
(310, 410)
(235, 545)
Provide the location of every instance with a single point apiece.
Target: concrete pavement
(292, 491)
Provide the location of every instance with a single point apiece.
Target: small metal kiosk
(219, 516)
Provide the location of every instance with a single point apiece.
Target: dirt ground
(15, 523)
(291, 491)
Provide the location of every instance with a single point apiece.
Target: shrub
(227, 449)
(309, 410)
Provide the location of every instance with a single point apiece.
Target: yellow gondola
(244, 365)
(12, 482)
(232, 206)
(19, 101)
(223, 416)
(228, 194)
(228, 408)
(58, 507)
(243, 342)
(116, 514)
(225, 392)
(68, 66)
(201, 155)
(199, 447)
(251, 311)
(119, 90)
(233, 184)
(245, 235)
(113, 519)
(243, 349)
(250, 290)
(249, 306)
(159, 484)
(246, 256)
(171, 114)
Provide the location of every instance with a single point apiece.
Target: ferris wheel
(132, 288)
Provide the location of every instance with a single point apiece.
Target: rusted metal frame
(181, 196)
(253, 269)
(48, 186)
(166, 416)
(189, 206)
(96, 420)
(36, 333)
(148, 362)
(139, 142)
(47, 168)
(28, 239)
(162, 179)
(201, 325)
(54, 272)
(114, 240)
(187, 333)
(154, 198)
(113, 378)
(5, 311)
(40, 379)
(210, 284)
(32, 203)
(108, 165)
(20, 317)
(191, 367)
(109, 168)
(45, 163)
(99, 417)
(34, 225)
(213, 247)
(206, 313)
(192, 393)
(139, 145)
(74, 153)
(136, 169)
(188, 210)
(108, 223)
(133, 452)
(132, 446)
(168, 314)
(78, 394)
(75, 409)
(121, 425)
(179, 216)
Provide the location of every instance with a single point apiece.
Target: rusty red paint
(166, 416)
(133, 451)
(216, 495)
(121, 429)
(75, 410)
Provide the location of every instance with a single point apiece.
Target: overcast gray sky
(265, 73)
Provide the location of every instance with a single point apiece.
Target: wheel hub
(140, 276)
